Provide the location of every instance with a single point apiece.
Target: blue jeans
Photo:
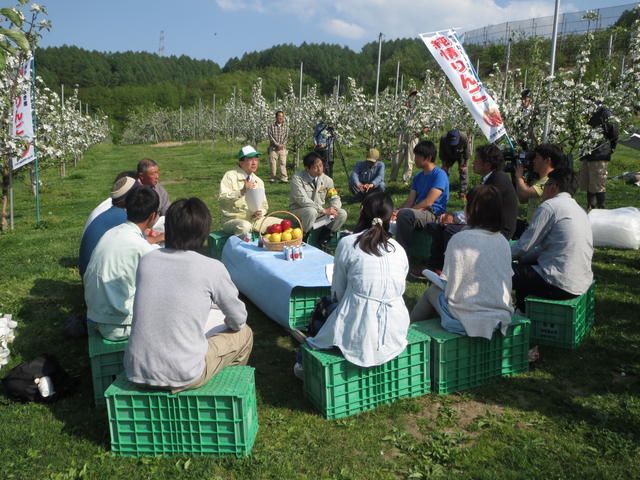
(449, 323)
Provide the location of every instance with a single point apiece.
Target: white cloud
(344, 29)
(236, 5)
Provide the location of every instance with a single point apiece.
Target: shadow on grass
(43, 316)
(273, 357)
(68, 262)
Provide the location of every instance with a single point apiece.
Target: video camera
(514, 157)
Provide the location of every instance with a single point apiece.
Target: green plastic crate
(420, 248)
(338, 388)
(219, 418)
(106, 363)
(561, 323)
(313, 239)
(216, 243)
(302, 302)
(459, 362)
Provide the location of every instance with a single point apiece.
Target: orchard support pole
(375, 110)
(554, 43)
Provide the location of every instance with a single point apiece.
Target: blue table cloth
(268, 279)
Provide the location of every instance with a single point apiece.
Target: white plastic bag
(619, 228)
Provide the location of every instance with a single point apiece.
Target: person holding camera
(323, 143)
(593, 172)
(547, 157)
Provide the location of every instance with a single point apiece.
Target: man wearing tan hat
(108, 219)
(367, 176)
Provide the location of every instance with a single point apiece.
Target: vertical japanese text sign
(450, 55)
(22, 118)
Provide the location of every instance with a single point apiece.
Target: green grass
(575, 415)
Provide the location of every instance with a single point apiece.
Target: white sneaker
(298, 371)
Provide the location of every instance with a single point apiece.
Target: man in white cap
(367, 176)
(108, 219)
(238, 218)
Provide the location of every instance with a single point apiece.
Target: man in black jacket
(489, 164)
(593, 172)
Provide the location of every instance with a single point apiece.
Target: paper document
(255, 198)
(329, 271)
(321, 221)
(434, 278)
(215, 323)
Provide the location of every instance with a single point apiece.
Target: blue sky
(221, 29)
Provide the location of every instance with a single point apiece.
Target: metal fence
(568, 24)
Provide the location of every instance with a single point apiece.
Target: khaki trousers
(593, 176)
(278, 158)
(225, 349)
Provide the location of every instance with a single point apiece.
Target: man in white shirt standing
(555, 252)
(110, 278)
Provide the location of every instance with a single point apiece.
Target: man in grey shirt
(177, 292)
(149, 174)
(555, 252)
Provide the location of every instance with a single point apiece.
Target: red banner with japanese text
(454, 61)
(22, 119)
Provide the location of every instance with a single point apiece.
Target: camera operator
(323, 136)
(547, 158)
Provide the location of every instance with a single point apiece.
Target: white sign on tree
(454, 61)
(22, 119)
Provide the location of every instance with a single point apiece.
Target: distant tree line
(115, 83)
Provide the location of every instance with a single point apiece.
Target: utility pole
(554, 42)
(397, 78)
(300, 90)
(375, 111)
(338, 88)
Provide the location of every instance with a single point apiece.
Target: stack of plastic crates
(337, 388)
(106, 363)
(219, 418)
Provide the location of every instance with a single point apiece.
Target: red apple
(285, 224)
(277, 228)
(270, 229)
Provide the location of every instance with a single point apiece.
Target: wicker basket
(279, 246)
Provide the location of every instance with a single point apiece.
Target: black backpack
(19, 382)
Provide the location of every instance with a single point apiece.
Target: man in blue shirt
(428, 197)
(112, 217)
(367, 176)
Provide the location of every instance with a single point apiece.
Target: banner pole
(35, 128)
(11, 198)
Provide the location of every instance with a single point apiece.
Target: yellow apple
(275, 237)
(296, 233)
(267, 237)
(286, 236)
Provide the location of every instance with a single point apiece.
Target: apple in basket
(285, 224)
(277, 228)
(296, 233)
(276, 237)
(286, 236)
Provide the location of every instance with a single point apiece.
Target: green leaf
(3, 60)
(13, 15)
(17, 37)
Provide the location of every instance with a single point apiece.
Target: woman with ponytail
(370, 323)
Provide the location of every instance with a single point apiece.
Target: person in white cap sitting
(237, 216)
(367, 176)
(108, 219)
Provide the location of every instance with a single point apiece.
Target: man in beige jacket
(237, 217)
(310, 188)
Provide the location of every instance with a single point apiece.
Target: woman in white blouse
(476, 298)
(370, 323)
